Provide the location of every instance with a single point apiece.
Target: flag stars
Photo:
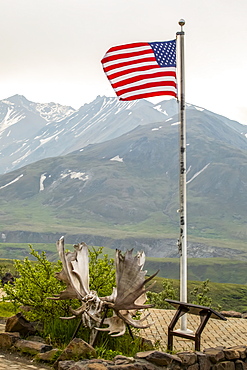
(165, 53)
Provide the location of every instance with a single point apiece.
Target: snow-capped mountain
(33, 131)
(127, 178)
(20, 121)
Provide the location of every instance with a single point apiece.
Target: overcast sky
(51, 49)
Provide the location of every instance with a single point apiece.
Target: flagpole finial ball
(181, 22)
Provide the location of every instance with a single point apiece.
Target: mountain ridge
(33, 131)
(126, 185)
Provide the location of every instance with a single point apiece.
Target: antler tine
(134, 323)
(128, 296)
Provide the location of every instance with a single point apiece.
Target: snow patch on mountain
(11, 182)
(117, 158)
(11, 118)
(188, 170)
(41, 182)
(200, 109)
(53, 112)
(198, 173)
(75, 175)
(20, 159)
(7, 102)
(44, 141)
(159, 108)
(79, 175)
(156, 128)
(19, 149)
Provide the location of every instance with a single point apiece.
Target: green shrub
(101, 272)
(199, 296)
(3, 270)
(37, 282)
(168, 292)
(6, 309)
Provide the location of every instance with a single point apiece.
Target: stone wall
(234, 358)
(220, 358)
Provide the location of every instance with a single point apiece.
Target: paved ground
(216, 333)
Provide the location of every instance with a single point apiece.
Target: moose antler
(130, 280)
(75, 272)
(128, 296)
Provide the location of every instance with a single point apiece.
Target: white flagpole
(182, 179)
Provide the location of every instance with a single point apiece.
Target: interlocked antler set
(127, 297)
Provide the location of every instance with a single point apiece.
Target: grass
(37, 217)
(228, 296)
(13, 251)
(219, 270)
(59, 333)
(6, 309)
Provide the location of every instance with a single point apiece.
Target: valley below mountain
(158, 248)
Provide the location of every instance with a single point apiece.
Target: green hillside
(92, 192)
(220, 270)
(228, 296)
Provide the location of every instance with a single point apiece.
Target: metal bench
(205, 314)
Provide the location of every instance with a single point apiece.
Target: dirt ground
(8, 358)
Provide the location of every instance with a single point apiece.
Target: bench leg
(204, 317)
(180, 312)
(170, 341)
(197, 342)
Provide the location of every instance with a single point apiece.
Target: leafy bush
(3, 270)
(37, 281)
(101, 272)
(168, 292)
(200, 296)
(6, 309)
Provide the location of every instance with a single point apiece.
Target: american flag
(142, 70)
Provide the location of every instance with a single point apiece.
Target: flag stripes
(142, 70)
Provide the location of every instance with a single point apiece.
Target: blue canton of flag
(165, 53)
